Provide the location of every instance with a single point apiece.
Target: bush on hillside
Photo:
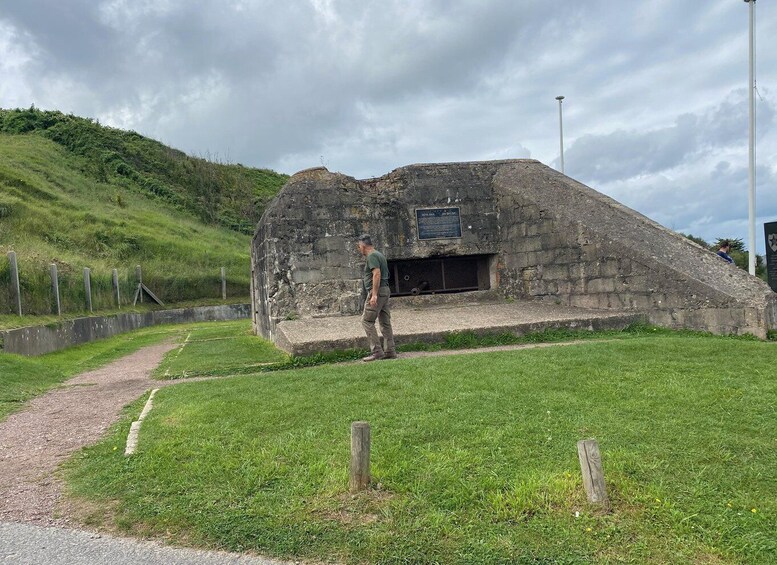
(232, 196)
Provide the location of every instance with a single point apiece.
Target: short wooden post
(115, 280)
(15, 287)
(139, 276)
(55, 289)
(88, 288)
(223, 283)
(591, 469)
(360, 457)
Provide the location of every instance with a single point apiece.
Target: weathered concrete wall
(37, 340)
(304, 258)
(570, 243)
(551, 238)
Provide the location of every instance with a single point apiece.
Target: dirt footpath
(52, 427)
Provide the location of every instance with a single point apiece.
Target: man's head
(725, 246)
(364, 243)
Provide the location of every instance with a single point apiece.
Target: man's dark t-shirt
(726, 256)
(376, 260)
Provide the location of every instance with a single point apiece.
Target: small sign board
(770, 235)
(438, 223)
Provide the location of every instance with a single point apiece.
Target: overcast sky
(655, 114)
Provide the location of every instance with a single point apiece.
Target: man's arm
(375, 286)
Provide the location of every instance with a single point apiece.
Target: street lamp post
(751, 144)
(561, 132)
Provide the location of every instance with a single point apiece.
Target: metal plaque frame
(438, 223)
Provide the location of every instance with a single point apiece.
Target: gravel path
(26, 544)
(52, 427)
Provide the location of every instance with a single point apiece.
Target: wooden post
(88, 288)
(591, 469)
(139, 275)
(360, 457)
(223, 283)
(15, 287)
(115, 279)
(55, 289)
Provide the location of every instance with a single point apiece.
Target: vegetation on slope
(232, 196)
(78, 194)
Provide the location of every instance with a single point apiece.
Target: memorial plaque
(770, 235)
(438, 223)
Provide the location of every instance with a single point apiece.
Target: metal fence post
(139, 276)
(88, 288)
(115, 279)
(55, 289)
(15, 287)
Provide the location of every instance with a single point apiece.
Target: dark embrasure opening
(440, 274)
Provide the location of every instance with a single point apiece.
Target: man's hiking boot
(390, 355)
(373, 357)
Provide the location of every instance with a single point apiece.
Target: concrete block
(565, 287)
(604, 285)
(566, 255)
(610, 267)
(334, 243)
(637, 283)
(584, 301)
(529, 274)
(616, 301)
(528, 244)
(555, 272)
(517, 260)
(301, 276)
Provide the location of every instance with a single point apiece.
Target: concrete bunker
(517, 229)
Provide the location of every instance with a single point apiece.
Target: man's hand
(375, 287)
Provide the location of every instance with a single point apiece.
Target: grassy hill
(78, 194)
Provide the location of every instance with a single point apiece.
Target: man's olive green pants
(381, 312)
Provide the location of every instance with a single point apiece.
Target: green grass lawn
(217, 349)
(473, 456)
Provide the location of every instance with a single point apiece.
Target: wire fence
(60, 289)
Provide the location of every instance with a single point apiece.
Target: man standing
(723, 252)
(376, 306)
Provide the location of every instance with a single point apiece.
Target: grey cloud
(624, 154)
(708, 204)
(69, 33)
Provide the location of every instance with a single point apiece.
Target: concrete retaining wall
(37, 340)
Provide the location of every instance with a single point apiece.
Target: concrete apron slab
(431, 323)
